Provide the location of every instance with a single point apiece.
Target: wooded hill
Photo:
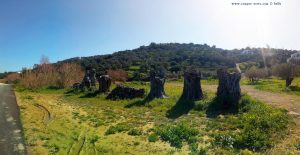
(175, 58)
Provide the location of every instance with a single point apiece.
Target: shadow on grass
(89, 94)
(181, 107)
(221, 106)
(294, 88)
(139, 102)
(72, 92)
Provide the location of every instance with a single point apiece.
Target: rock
(122, 92)
(229, 90)
(157, 82)
(192, 86)
(104, 83)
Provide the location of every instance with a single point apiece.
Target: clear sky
(63, 29)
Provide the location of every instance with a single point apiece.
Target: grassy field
(276, 85)
(57, 122)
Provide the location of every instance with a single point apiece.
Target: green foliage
(53, 149)
(176, 134)
(153, 137)
(253, 127)
(224, 140)
(259, 123)
(117, 128)
(297, 146)
(135, 132)
(94, 139)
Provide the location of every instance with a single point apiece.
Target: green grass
(276, 85)
(91, 125)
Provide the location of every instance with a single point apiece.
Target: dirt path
(281, 100)
(11, 136)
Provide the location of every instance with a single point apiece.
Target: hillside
(175, 57)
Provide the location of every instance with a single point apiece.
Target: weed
(297, 146)
(135, 132)
(153, 137)
(117, 128)
(53, 149)
(176, 134)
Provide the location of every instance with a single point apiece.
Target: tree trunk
(229, 90)
(104, 83)
(192, 86)
(288, 81)
(92, 75)
(157, 83)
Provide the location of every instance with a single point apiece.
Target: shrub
(135, 132)
(176, 134)
(118, 75)
(49, 75)
(254, 74)
(259, 123)
(297, 146)
(12, 78)
(117, 128)
(68, 74)
(94, 139)
(224, 140)
(153, 137)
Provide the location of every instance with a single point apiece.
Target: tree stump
(92, 75)
(86, 83)
(157, 82)
(192, 86)
(122, 92)
(288, 81)
(229, 90)
(104, 83)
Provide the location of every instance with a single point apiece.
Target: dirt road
(11, 136)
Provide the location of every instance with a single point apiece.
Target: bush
(118, 75)
(259, 123)
(12, 78)
(254, 74)
(224, 140)
(117, 128)
(176, 134)
(153, 137)
(135, 132)
(254, 127)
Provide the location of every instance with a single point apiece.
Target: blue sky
(63, 29)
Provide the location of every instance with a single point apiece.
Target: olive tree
(287, 71)
(254, 74)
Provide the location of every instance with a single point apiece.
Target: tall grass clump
(255, 126)
(177, 134)
(260, 124)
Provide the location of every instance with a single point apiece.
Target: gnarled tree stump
(192, 86)
(122, 92)
(157, 82)
(92, 75)
(86, 83)
(104, 83)
(229, 90)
